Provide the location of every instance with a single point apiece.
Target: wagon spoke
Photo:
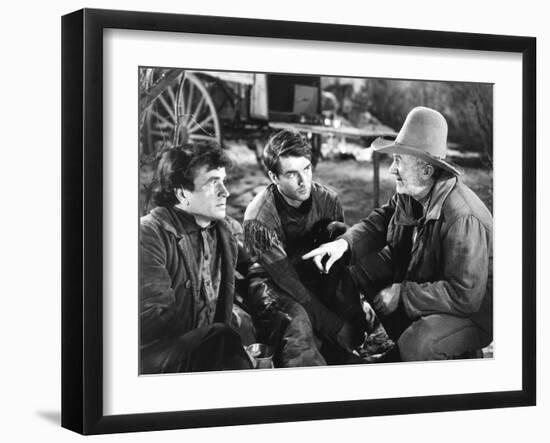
(199, 106)
(168, 108)
(189, 117)
(162, 119)
(202, 137)
(206, 120)
(201, 125)
(171, 94)
(160, 134)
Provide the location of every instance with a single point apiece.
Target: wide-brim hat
(423, 135)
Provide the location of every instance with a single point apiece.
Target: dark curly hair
(285, 144)
(177, 166)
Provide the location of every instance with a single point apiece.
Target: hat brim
(391, 147)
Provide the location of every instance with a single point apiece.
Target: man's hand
(334, 250)
(387, 300)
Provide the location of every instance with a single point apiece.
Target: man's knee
(300, 347)
(418, 344)
(242, 323)
(220, 335)
(219, 329)
(438, 337)
(299, 325)
(194, 350)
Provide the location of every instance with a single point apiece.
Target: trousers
(299, 347)
(439, 337)
(214, 347)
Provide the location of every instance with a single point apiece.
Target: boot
(270, 321)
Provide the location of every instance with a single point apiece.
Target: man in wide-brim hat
(424, 260)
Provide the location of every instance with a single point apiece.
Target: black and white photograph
(292, 220)
(277, 221)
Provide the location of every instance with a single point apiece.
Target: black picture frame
(82, 229)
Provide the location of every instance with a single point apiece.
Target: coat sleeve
(266, 248)
(466, 254)
(369, 235)
(368, 260)
(243, 257)
(157, 302)
(338, 213)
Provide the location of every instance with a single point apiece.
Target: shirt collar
(440, 192)
(281, 203)
(188, 222)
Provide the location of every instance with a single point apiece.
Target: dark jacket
(448, 268)
(169, 280)
(265, 240)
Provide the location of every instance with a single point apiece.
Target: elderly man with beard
(288, 218)
(424, 260)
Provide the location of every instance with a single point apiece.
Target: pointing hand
(333, 250)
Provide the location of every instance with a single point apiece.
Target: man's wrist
(344, 242)
(345, 248)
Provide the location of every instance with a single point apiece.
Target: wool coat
(442, 261)
(169, 279)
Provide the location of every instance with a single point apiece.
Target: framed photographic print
(213, 170)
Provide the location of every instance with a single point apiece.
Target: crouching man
(189, 253)
(424, 260)
(288, 218)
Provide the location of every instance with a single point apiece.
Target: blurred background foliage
(468, 107)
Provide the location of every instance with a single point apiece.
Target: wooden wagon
(178, 105)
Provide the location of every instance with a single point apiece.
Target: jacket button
(188, 284)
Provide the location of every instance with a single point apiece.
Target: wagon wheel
(196, 114)
(184, 111)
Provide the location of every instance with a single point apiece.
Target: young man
(280, 224)
(431, 280)
(188, 256)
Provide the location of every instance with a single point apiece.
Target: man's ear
(180, 194)
(273, 177)
(428, 170)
